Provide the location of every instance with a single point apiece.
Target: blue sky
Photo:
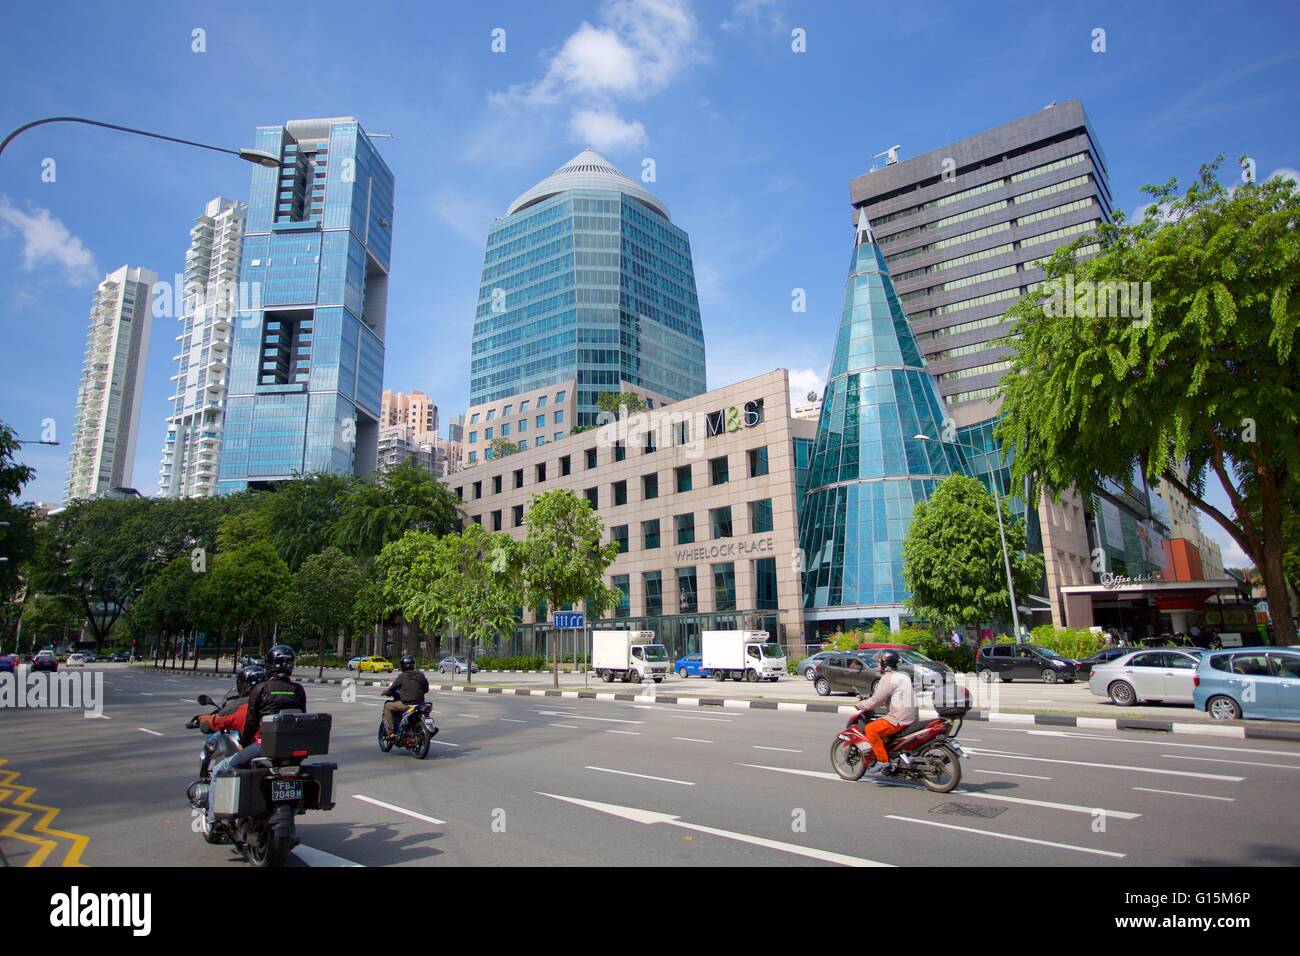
(753, 144)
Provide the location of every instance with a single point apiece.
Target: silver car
(1151, 676)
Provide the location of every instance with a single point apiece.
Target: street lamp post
(1006, 555)
(258, 157)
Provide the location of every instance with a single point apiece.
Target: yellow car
(374, 664)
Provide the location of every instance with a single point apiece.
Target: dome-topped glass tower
(868, 469)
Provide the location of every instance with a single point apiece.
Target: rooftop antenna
(891, 156)
(379, 135)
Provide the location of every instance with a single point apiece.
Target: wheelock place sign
(724, 549)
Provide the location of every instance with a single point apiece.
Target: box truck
(742, 655)
(629, 656)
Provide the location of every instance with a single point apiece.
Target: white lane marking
(1108, 766)
(186, 700)
(819, 774)
(98, 717)
(1003, 773)
(643, 776)
(388, 806)
(1006, 836)
(319, 858)
(471, 716)
(784, 750)
(514, 720)
(145, 694)
(650, 817)
(607, 720)
(693, 740)
(148, 731)
(565, 726)
(630, 733)
(1148, 743)
(1243, 763)
(444, 743)
(1179, 793)
(716, 720)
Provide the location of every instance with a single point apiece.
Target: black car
(1008, 662)
(854, 672)
(44, 661)
(118, 658)
(1083, 668)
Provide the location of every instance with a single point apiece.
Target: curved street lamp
(255, 156)
(1006, 555)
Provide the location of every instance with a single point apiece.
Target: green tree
(47, 617)
(404, 498)
(614, 403)
(1207, 375)
(502, 448)
(304, 514)
(952, 556)
(17, 522)
(467, 581)
(244, 590)
(165, 607)
(324, 591)
(563, 559)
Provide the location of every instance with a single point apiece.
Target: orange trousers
(876, 732)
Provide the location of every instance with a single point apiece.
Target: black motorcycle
(413, 731)
(255, 807)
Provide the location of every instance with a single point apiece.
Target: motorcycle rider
(234, 708)
(408, 688)
(276, 694)
(895, 689)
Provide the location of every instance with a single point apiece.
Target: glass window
(758, 462)
(650, 534)
(720, 521)
(620, 493)
(650, 442)
(507, 411)
(1288, 665)
(760, 516)
(496, 484)
(765, 584)
(618, 534)
(591, 458)
(559, 397)
(559, 416)
(718, 472)
(685, 528)
(505, 429)
(487, 434)
(683, 476)
(541, 421)
(523, 406)
(593, 496)
(473, 457)
(724, 587)
(478, 490)
(517, 515)
(519, 477)
(1253, 665)
(620, 451)
(523, 425)
(653, 581)
(624, 606)
(541, 400)
(473, 437)
(687, 594)
(496, 521)
(683, 433)
(540, 469)
(492, 413)
(559, 435)
(650, 486)
(473, 419)
(566, 465)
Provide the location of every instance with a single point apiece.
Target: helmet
(407, 663)
(888, 661)
(279, 660)
(249, 678)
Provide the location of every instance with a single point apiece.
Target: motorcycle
(925, 750)
(414, 730)
(255, 807)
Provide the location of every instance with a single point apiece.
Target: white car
(352, 664)
(1153, 676)
(76, 660)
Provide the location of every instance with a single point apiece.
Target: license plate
(428, 724)
(284, 790)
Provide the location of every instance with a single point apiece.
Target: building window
(478, 519)
(517, 516)
(507, 411)
(592, 496)
(618, 534)
(487, 434)
(473, 457)
(473, 419)
(523, 442)
(758, 462)
(566, 465)
(724, 587)
(558, 417)
(460, 492)
(650, 486)
(682, 432)
(688, 598)
(496, 521)
(523, 406)
(473, 437)
(541, 440)
(541, 421)
(519, 477)
(623, 608)
(541, 472)
(653, 582)
(720, 521)
(765, 584)
(559, 435)
(620, 451)
(760, 516)
(683, 476)
(718, 471)
(650, 534)
(496, 484)
(591, 458)
(523, 425)
(492, 413)
(650, 442)
(685, 528)
(620, 493)
(541, 400)
(559, 397)
(478, 490)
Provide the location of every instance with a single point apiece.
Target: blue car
(1262, 683)
(8, 662)
(690, 666)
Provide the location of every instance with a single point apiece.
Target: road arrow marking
(388, 806)
(1006, 836)
(650, 817)
(643, 776)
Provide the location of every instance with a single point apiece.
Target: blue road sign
(568, 619)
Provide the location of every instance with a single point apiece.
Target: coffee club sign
(1112, 581)
(734, 417)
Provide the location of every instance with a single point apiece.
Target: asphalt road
(537, 781)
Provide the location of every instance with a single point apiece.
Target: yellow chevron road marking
(16, 802)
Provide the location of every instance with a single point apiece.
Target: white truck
(629, 656)
(741, 655)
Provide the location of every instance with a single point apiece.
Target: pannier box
(287, 735)
(237, 793)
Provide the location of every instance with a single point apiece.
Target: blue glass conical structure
(868, 467)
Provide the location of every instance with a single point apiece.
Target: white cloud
(1286, 172)
(1233, 556)
(605, 130)
(760, 14)
(469, 218)
(48, 242)
(803, 381)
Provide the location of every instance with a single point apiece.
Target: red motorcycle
(926, 750)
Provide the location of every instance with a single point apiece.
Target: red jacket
(233, 721)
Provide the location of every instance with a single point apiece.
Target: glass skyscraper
(586, 278)
(308, 358)
(868, 469)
